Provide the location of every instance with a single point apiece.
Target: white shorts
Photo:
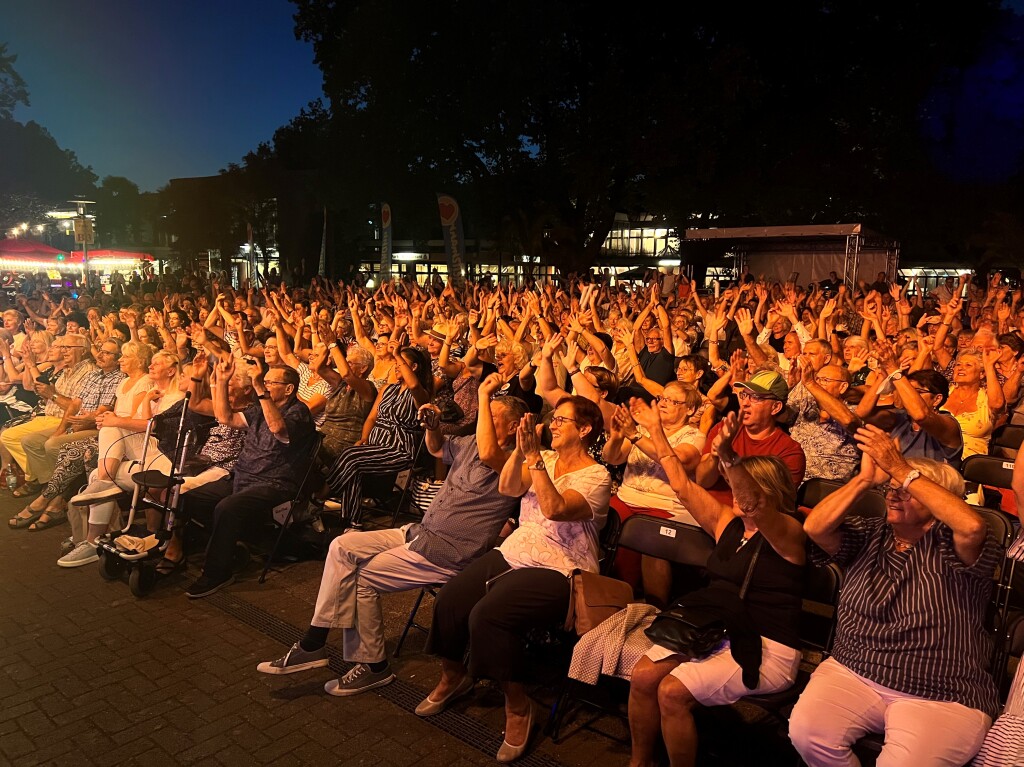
(717, 680)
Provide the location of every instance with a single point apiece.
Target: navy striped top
(915, 621)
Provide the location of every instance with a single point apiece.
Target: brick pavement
(91, 675)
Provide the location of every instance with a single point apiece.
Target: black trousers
(492, 622)
(234, 515)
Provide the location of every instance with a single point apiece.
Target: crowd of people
(546, 405)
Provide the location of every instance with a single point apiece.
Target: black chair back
(820, 600)
(666, 539)
(1009, 435)
(609, 539)
(813, 491)
(988, 470)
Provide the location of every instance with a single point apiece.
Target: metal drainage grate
(406, 696)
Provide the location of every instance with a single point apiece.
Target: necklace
(902, 544)
(744, 542)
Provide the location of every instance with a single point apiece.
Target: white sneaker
(100, 490)
(83, 554)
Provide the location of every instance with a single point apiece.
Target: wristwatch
(635, 438)
(896, 375)
(911, 476)
(265, 395)
(539, 466)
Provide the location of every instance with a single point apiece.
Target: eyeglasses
(823, 379)
(897, 493)
(745, 395)
(272, 383)
(559, 420)
(676, 402)
(103, 351)
(649, 339)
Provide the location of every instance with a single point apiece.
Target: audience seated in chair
(911, 651)
(279, 433)
(462, 522)
(761, 653)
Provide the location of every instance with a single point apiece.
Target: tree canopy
(13, 90)
(546, 119)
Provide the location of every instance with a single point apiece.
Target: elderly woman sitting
(489, 606)
(911, 652)
(665, 686)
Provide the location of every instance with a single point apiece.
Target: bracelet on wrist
(911, 476)
(197, 380)
(573, 372)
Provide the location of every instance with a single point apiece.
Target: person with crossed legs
(462, 522)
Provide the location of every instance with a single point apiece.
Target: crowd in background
(709, 407)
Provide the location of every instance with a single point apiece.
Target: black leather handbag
(696, 631)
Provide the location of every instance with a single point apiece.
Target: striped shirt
(307, 389)
(915, 622)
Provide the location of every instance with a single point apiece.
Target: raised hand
(882, 450)
(722, 446)
(646, 415)
(744, 321)
(623, 425)
(548, 351)
(528, 437)
(569, 357)
(490, 385)
(486, 342)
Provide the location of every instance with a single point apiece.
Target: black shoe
(204, 586)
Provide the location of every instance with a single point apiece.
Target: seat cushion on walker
(154, 478)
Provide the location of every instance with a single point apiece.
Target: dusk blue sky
(157, 90)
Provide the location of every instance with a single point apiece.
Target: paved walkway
(91, 675)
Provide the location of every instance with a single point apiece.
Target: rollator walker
(115, 558)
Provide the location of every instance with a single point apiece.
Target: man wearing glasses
(274, 458)
(830, 449)
(762, 399)
(59, 395)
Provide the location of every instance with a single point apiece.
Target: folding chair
(301, 498)
(813, 491)
(662, 538)
(1009, 436)
(609, 540)
(988, 470)
(820, 600)
(410, 622)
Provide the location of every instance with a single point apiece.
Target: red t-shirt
(778, 444)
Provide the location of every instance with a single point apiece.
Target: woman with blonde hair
(976, 399)
(122, 431)
(757, 534)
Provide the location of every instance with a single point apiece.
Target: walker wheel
(141, 580)
(111, 566)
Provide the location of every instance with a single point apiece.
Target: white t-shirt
(645, 482)
(562, 546)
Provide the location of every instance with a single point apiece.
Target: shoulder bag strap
(750, 567)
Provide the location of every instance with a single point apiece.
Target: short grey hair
(360, 355)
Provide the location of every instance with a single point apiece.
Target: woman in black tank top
(761, 653)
